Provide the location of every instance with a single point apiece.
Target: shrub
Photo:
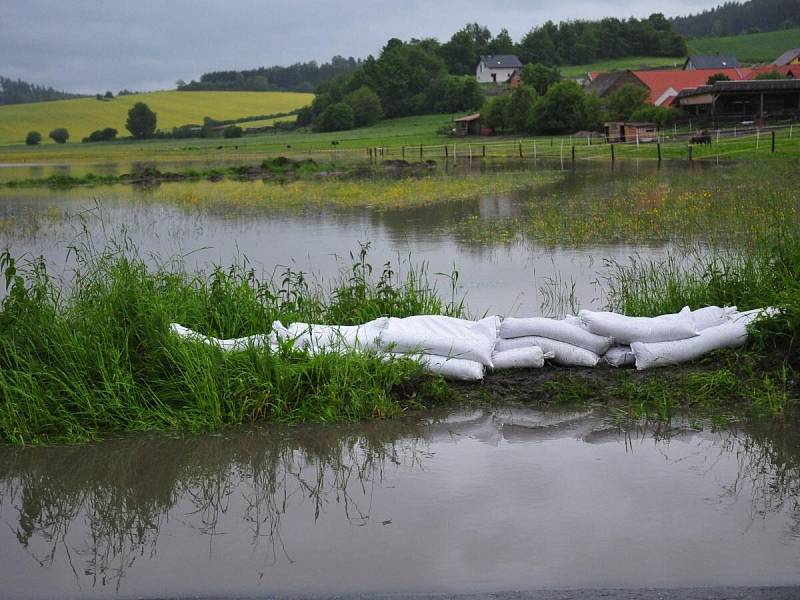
(108, 134)
(59, 135)
(33, 138)
(337, 117)
(232, 131)
(717, 77)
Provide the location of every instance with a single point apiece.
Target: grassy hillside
(754, 47)
(84, 115)
(629, 62)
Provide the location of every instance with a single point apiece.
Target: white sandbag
(317, 338)
(659, 354)
(619, 356)
(458, 369)
(442, 336)
(555, 330)
(529, 357)
(711, 316)
(626, 329)
(750, 316)
(563, 353)
(232, 345)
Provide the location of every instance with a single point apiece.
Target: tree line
(299, 77)
(734, 18)
(19, 92)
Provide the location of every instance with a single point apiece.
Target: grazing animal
(702, 138)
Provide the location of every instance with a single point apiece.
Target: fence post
(690, 152)
(658, 148)
(773, 140)
(403, 153)
(469, 149)
(446, 152)
(758, 137)
(573, 156)
(612, 152)
(420, 151)
(483, 150)
(520, 148)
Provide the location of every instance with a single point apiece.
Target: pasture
(84, 115)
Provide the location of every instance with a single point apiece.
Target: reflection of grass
(727, 204)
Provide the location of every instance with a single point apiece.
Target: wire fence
(665, 145)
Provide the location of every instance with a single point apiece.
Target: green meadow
(84, 115)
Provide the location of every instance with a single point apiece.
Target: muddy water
(516, 276)
(500, 499)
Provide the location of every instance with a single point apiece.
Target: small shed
(618, 131)
(469, 125)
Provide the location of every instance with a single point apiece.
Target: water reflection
(409, 505)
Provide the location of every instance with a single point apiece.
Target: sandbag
(563, 353)
(711, 316)
(555, 330)
(626, 329)
(659, 354)
(750, 316)
(442, 336)
(619, 356)
(457, 369)
(231, 345)
(529, 357)
(316, 338)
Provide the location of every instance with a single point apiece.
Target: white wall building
(497, 68)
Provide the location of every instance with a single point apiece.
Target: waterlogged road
(464, 503)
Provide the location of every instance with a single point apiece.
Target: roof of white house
(501, 61)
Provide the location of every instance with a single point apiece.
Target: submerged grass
(100, 358)
(710, 203)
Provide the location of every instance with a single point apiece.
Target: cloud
(94, 45)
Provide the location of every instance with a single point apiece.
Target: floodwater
(514, 276)
(494, 499)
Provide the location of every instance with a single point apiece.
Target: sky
(90, 46)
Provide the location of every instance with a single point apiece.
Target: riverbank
(94, 355)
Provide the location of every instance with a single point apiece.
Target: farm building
(497, 68)
(759, 99)
(469, 125)
(790, 57)
(630, 132)
(663, 84)
(711, 61)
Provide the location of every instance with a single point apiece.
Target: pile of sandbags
(462, 349)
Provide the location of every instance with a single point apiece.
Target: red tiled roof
(788, 71)
(661, 80)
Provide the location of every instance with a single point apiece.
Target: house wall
(484, 74)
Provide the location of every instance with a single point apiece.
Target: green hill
(84, 115)
(752, 47)
(749, 48)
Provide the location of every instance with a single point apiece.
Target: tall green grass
(93, 355)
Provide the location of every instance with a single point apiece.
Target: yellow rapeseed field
(84, 115)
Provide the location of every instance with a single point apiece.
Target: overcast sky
(96, 45)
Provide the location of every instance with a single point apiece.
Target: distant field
(393, 132)
(754, 47)
(267, 122)
(84, 115)
(631, 62)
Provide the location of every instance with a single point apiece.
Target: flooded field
(536, 250)
(498, 499)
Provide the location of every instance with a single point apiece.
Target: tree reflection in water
(100, 508)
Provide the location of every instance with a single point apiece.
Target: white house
(497, 68)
